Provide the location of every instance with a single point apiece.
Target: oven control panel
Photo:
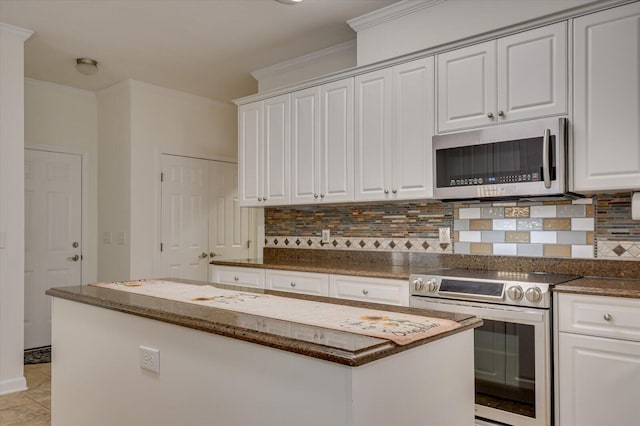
(503, 292)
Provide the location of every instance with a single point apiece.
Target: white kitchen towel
(398, 327)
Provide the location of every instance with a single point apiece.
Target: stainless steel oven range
(513, 354)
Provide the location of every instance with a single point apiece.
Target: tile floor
(33, 406)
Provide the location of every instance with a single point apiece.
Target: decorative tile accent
(622, 250)
(516, 212)
(373, 244)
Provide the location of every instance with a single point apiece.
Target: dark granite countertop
(601, 286)
(317, 342)
(399, 272)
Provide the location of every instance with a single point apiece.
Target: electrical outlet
(326, 235)
(106, 237)
(444, 235)
(121, 238)
(150, 359)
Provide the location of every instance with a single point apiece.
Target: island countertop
(331, 345)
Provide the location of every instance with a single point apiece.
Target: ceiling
(204, 47)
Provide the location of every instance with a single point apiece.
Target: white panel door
(532, 73)
(53, 227)
(229, 225)
(249, 156)
(305, 146)
(414, 99)
(336, 141)
(606, 134)
(185, 218)
(373, 135)
(275, 151)
(467, 87)
(599, 381)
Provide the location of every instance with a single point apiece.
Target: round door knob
(236, 278)
(75, 258)
(515, 292)
(490, 115)
(418, 284)
(315, 195)
(203, 255)
(293, 284)
(608, 317)
(501, 113)
(212, 254)
(75, 244)
(365, 291)
(386, 191)
(533, 294)
(432, 285)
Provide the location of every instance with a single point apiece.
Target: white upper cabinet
(394, 125)
(322, 143)
(606, 133)
(263, 150)
(517, 77)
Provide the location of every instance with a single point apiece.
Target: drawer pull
(608, 317)
(365, 291)
(236, 278)
(293, 284)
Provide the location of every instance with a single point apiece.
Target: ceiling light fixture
(86, 66)
(289, 2)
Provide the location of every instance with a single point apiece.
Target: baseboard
(13, 385)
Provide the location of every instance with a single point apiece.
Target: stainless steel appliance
(513, 357)
(520, 160)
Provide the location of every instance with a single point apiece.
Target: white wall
(114, 169)
(12, 207)
(66, 120)
(449, 21)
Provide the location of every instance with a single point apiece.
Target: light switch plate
(326, 235)
(444, 235)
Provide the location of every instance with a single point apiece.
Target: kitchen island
(226, 367)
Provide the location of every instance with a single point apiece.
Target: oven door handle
(503, 313)
(546, 170)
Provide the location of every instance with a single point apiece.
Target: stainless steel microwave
(510, 161)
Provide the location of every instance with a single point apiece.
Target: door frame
(84, 203)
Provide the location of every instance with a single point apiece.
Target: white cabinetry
(517, 77)
(297, 282)
(606, 135)
(599, 360)
(322, 143)
(394, 125)
(263, 151)
(376, 290)
(235, 275)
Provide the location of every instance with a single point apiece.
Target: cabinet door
(275, 151)
(413, 93)
(305, 145)
(336, 141)
(598, 380)
(298, 282)
(375, 290)
(236, 275)
(532, 73)
(249, 161)
(467, 87)
(606, 134)
(373, 135)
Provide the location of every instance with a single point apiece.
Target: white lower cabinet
(598, 360)
(376, 290)
(297, 282)
(235, 275)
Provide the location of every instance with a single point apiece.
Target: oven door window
(505, 367)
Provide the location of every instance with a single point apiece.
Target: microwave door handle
(546, 171)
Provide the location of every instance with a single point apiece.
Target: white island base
(208, 379)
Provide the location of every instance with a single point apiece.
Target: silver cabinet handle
(75, 244)
(608, 317)
(293, 284)
(315, 195)
(395, 191)
(546, 171)
(365, 291)
(386, 191)
(500, 113)
(212, 254)
(259, 198)
(203, 255)
(236, 278)
(321, 195)
(264, 199)
(489, 115)
(75, 258)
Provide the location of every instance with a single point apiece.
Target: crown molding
(301, 61)
(388, 13)
(23, 33)
(60, 87)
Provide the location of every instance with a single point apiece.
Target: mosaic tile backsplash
(599, 227)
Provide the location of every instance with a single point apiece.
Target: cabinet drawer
(599, 316)
(376, 290)
(298, 282)
(248, 277)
